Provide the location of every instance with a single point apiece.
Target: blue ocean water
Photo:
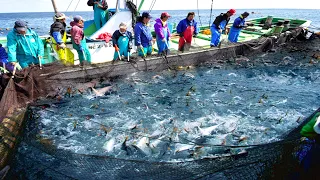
(41, 21)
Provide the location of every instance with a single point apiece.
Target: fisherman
(162, 33)
(100, 8)
(78, 40)
(187, 28)
(142, 35)
(238, 24)
(24, 46)
(4, 60)
(122, 41)
(219, 25)
(309, 156)
(58, 34)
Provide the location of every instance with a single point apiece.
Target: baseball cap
(146, 14)
(232, 11)
(165, 14)
(20, 25)
(77, 18)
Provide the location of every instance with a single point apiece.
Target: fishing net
(37, 158)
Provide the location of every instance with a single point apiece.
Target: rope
(77, 5)
(69, 5)
(210, 13)
(152, 5)
(199, 13)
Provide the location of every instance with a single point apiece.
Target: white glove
(140, 47)
(3, 70)
(62, 46)
(17, 65)
(220, 31)
(163, 40)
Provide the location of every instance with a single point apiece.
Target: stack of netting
(36, 160)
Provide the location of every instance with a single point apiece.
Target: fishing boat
(102, 52)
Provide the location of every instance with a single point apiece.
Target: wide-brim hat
(60, 16)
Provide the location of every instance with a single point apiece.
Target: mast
(54, 6)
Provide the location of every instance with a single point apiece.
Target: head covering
(146, 14)
(316, 127)
(245, 14)
(232, 11)
(20, 25)
(77, 18)
(122, 25)
(60, 16)
(165, 14)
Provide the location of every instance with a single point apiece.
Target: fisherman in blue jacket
(142, 35)
(238, 24)
(187, 28)
(24, 45)
(122, 41)
(219, 25)
(4, 60)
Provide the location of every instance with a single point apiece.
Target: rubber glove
(3, 70)
(62, 46)
(80, 48)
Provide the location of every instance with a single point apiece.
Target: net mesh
(37, 158)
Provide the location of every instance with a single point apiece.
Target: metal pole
(54, 6)
(140, 6)
(117, 6)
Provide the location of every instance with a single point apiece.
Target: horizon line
(171, 10)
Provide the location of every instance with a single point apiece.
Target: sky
(46, 6)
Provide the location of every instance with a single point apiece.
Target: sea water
(177, 115)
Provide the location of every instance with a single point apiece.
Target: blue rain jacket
(24, 49)
(236, 29)
(142, 35)
(183, 24)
